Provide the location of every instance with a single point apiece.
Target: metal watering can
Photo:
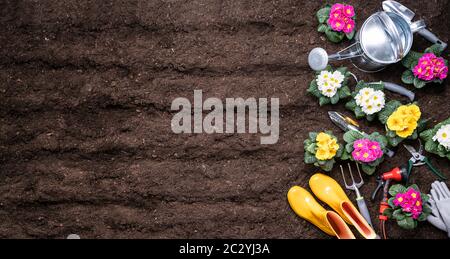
(385, 38)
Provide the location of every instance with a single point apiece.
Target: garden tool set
(384, 38)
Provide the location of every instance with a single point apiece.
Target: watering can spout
(318, 57)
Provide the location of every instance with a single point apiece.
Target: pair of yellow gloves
(335, 224)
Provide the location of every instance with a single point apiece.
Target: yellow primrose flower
(322, 154)
(404, 120)
(323, 137)
(327, 146)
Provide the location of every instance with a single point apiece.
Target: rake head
(354, 185)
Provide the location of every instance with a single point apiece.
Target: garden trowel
(346, 123)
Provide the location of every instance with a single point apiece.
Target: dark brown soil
(85, 140)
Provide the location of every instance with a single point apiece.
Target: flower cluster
(442, 136)
(430, 68)
(437, 139)
(407, 206)
(341, 18)
(410, 202)
(321, 149)
(404, 120)
(365, 150)
(327, 146)
(425, 68)
(371, 101)
(329, 82)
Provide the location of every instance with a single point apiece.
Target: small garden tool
(396, 175)
(354, 186)
(346, 123)
(418, 159)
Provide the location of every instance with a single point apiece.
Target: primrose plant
(330, 85)
(337, 22)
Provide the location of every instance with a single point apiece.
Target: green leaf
(368, 169)
(328, 166)
(324, 100)
(431, 146)
(427, 135)
(436, 49)
(344, 92)
(411, 58)
(323, 14)
(312, 89)
(391, 202)
(370, 117)
(388, 212)
(351, 135)
(396, 188)
(309, 158)
(407, 223)
(389, 108)
(422, 217)
(334, 99)
(419, 83)
(313, 135)
(395, 141)
(359, 113)
(349, 148)
(334, 36)
(345, 155)
(408, 77)
(351, 105)
(322, 27)
(350, 35)
(398, 214)
(312, 148)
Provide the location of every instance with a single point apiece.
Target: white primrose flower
(443, 136)
(329, 91)
(337, 78)
(328, 83)
(370, 101)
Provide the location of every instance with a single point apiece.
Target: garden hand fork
(354, 186)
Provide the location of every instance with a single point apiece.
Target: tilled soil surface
(86, 145)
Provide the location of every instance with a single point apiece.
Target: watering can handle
(432, 38)
(399, 89)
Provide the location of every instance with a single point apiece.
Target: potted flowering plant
(367, 100)
(408, 206)
(367, 150)
(321, 149)
(337, 22)
(437, 139)
(330, 85)
(424, 68)
(401, 121)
